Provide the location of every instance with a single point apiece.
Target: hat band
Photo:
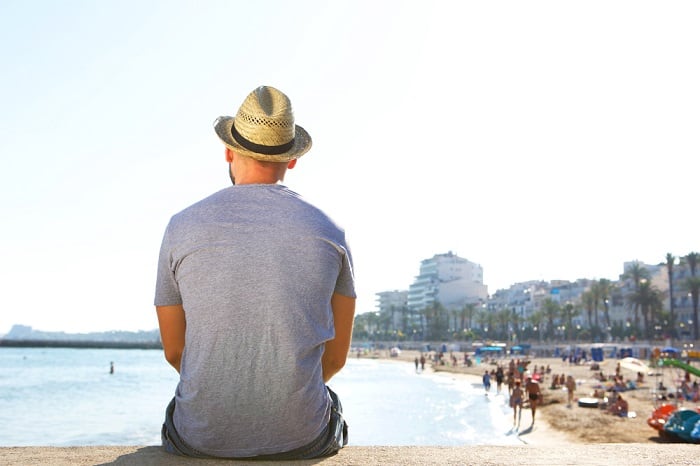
(259, 148)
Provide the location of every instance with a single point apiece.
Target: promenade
(579, 454)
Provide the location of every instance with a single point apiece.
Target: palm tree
(536, 320)
(437, 321)
(515, 320)
(485, 320)
(386, 321)
(454, 313)
(595, 297)
(692, 284)
(604, 290)
(636, 271)
(366, 325)
(568, 313)
(551, 311)
(648, 299)
(587, 299)
(670, 260)
(467, 314)
(503, 319)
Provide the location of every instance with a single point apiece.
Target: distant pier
(12, 343)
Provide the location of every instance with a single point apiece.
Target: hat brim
(302, 142)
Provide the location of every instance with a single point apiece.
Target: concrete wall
(575, 454)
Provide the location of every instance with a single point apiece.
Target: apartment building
(448, 279)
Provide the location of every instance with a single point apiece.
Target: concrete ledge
(574, 454)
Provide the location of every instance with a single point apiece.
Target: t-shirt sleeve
(345, 285)
(167, 289)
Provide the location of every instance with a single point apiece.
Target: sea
(68, 397)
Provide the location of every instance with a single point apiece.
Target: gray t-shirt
(254, 267)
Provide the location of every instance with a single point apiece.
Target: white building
(448, 279)
(393, 304)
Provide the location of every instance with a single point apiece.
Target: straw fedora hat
(264, 128)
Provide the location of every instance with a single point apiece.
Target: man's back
(255, 266)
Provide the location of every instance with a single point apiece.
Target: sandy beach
(555, 422)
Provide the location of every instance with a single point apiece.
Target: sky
(542, 140)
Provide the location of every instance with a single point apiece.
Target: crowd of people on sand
(686, 391)
(523, 386)
(521, 383)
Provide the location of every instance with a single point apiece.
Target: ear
(229, 154)
(292, 163)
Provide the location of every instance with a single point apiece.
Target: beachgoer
(422, 362)
(510, 381)
(263, 283)
(533, 395)
(486, 380)
(516, 402)
(570, 388)
(111, 367)
(416, 362)
(499, 379)
(619, 407)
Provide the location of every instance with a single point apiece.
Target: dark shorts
(533, 396)
(333, 438)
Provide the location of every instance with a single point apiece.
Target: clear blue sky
(542, 140)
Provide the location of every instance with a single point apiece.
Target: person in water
(516, 402)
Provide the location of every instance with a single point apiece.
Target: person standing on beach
(516, 402)
(533, 395)
(499, 379)
(255, 298)
(486, 380)
(570, 387)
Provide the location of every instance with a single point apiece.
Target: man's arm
(171, 320)
(336, 352)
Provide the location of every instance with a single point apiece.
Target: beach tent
(625, 353)
(597, 354)
(488, 349)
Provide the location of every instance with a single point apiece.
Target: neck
(260, 174)
(258, 178)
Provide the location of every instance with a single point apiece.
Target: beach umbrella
(670, 349)
(634, 364)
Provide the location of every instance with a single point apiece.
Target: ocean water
(65, 397)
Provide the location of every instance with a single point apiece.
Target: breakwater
(92, 344)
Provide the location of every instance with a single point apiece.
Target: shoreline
(557, 424)
(542, 434)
